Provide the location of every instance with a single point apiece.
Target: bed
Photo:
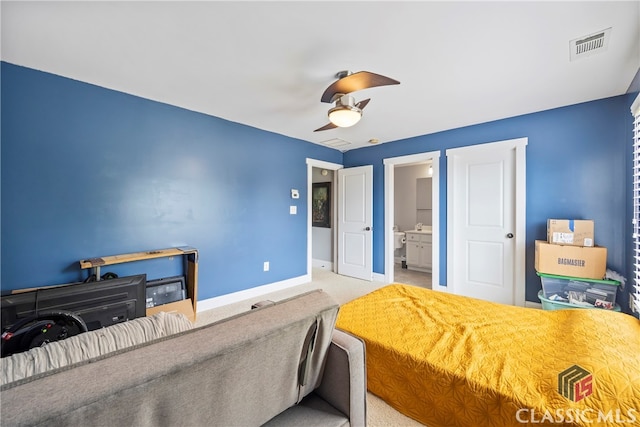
(449, 360)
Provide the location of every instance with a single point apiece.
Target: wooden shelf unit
(186, 306)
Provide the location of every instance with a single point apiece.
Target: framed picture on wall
(321, 205)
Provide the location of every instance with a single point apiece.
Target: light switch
(293, 210)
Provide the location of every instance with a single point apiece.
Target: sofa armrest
(344, 383)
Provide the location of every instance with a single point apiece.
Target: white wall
(405, 210)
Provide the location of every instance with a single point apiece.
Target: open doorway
(412, 222)
(322, 218)
(321, 239)
(352, 219)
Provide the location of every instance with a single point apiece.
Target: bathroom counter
(424, 230)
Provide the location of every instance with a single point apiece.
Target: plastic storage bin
(598, 293)
(547, 304)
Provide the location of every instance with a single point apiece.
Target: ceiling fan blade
(363, 103)
(356, 81)
(326, 127)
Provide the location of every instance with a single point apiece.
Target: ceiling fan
(347, 112)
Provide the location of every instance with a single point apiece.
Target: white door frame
(311, 163)
(389, 205)
(519, 145)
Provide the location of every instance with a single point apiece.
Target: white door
(485, 259)
(355, 222)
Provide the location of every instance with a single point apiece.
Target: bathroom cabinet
(419, 251)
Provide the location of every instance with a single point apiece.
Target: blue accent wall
(578, 167)
(88, 172)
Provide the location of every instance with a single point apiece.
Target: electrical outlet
(266, 266)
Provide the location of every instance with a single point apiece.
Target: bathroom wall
(405, 207)
(424, 209)
(322, 238)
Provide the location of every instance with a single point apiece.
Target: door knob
(367, 229)
(510, 235)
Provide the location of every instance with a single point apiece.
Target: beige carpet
(342, 289)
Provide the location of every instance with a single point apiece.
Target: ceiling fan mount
(347, 111)
(344, 73)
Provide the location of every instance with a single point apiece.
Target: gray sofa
(280, 364)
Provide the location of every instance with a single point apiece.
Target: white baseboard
(379, 277)
(256, 292)
(320, 263)
(528, 304)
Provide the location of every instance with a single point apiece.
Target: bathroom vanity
(419, 249)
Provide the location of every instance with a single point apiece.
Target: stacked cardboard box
(572, 267)
(574, 232)
(570, 250)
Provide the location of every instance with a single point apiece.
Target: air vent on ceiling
(336, 142)
(589, 45)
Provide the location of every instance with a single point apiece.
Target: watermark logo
(581, 416)
(575, 383)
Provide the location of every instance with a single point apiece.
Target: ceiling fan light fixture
(345, 113)
(344, 116)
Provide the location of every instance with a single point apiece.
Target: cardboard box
(574, 261)
(576, 232)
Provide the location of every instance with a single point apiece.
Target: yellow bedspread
(448, 360)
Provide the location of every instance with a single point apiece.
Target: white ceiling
(266, 63)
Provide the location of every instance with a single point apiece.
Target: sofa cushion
(89, 345)
(311, 412)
